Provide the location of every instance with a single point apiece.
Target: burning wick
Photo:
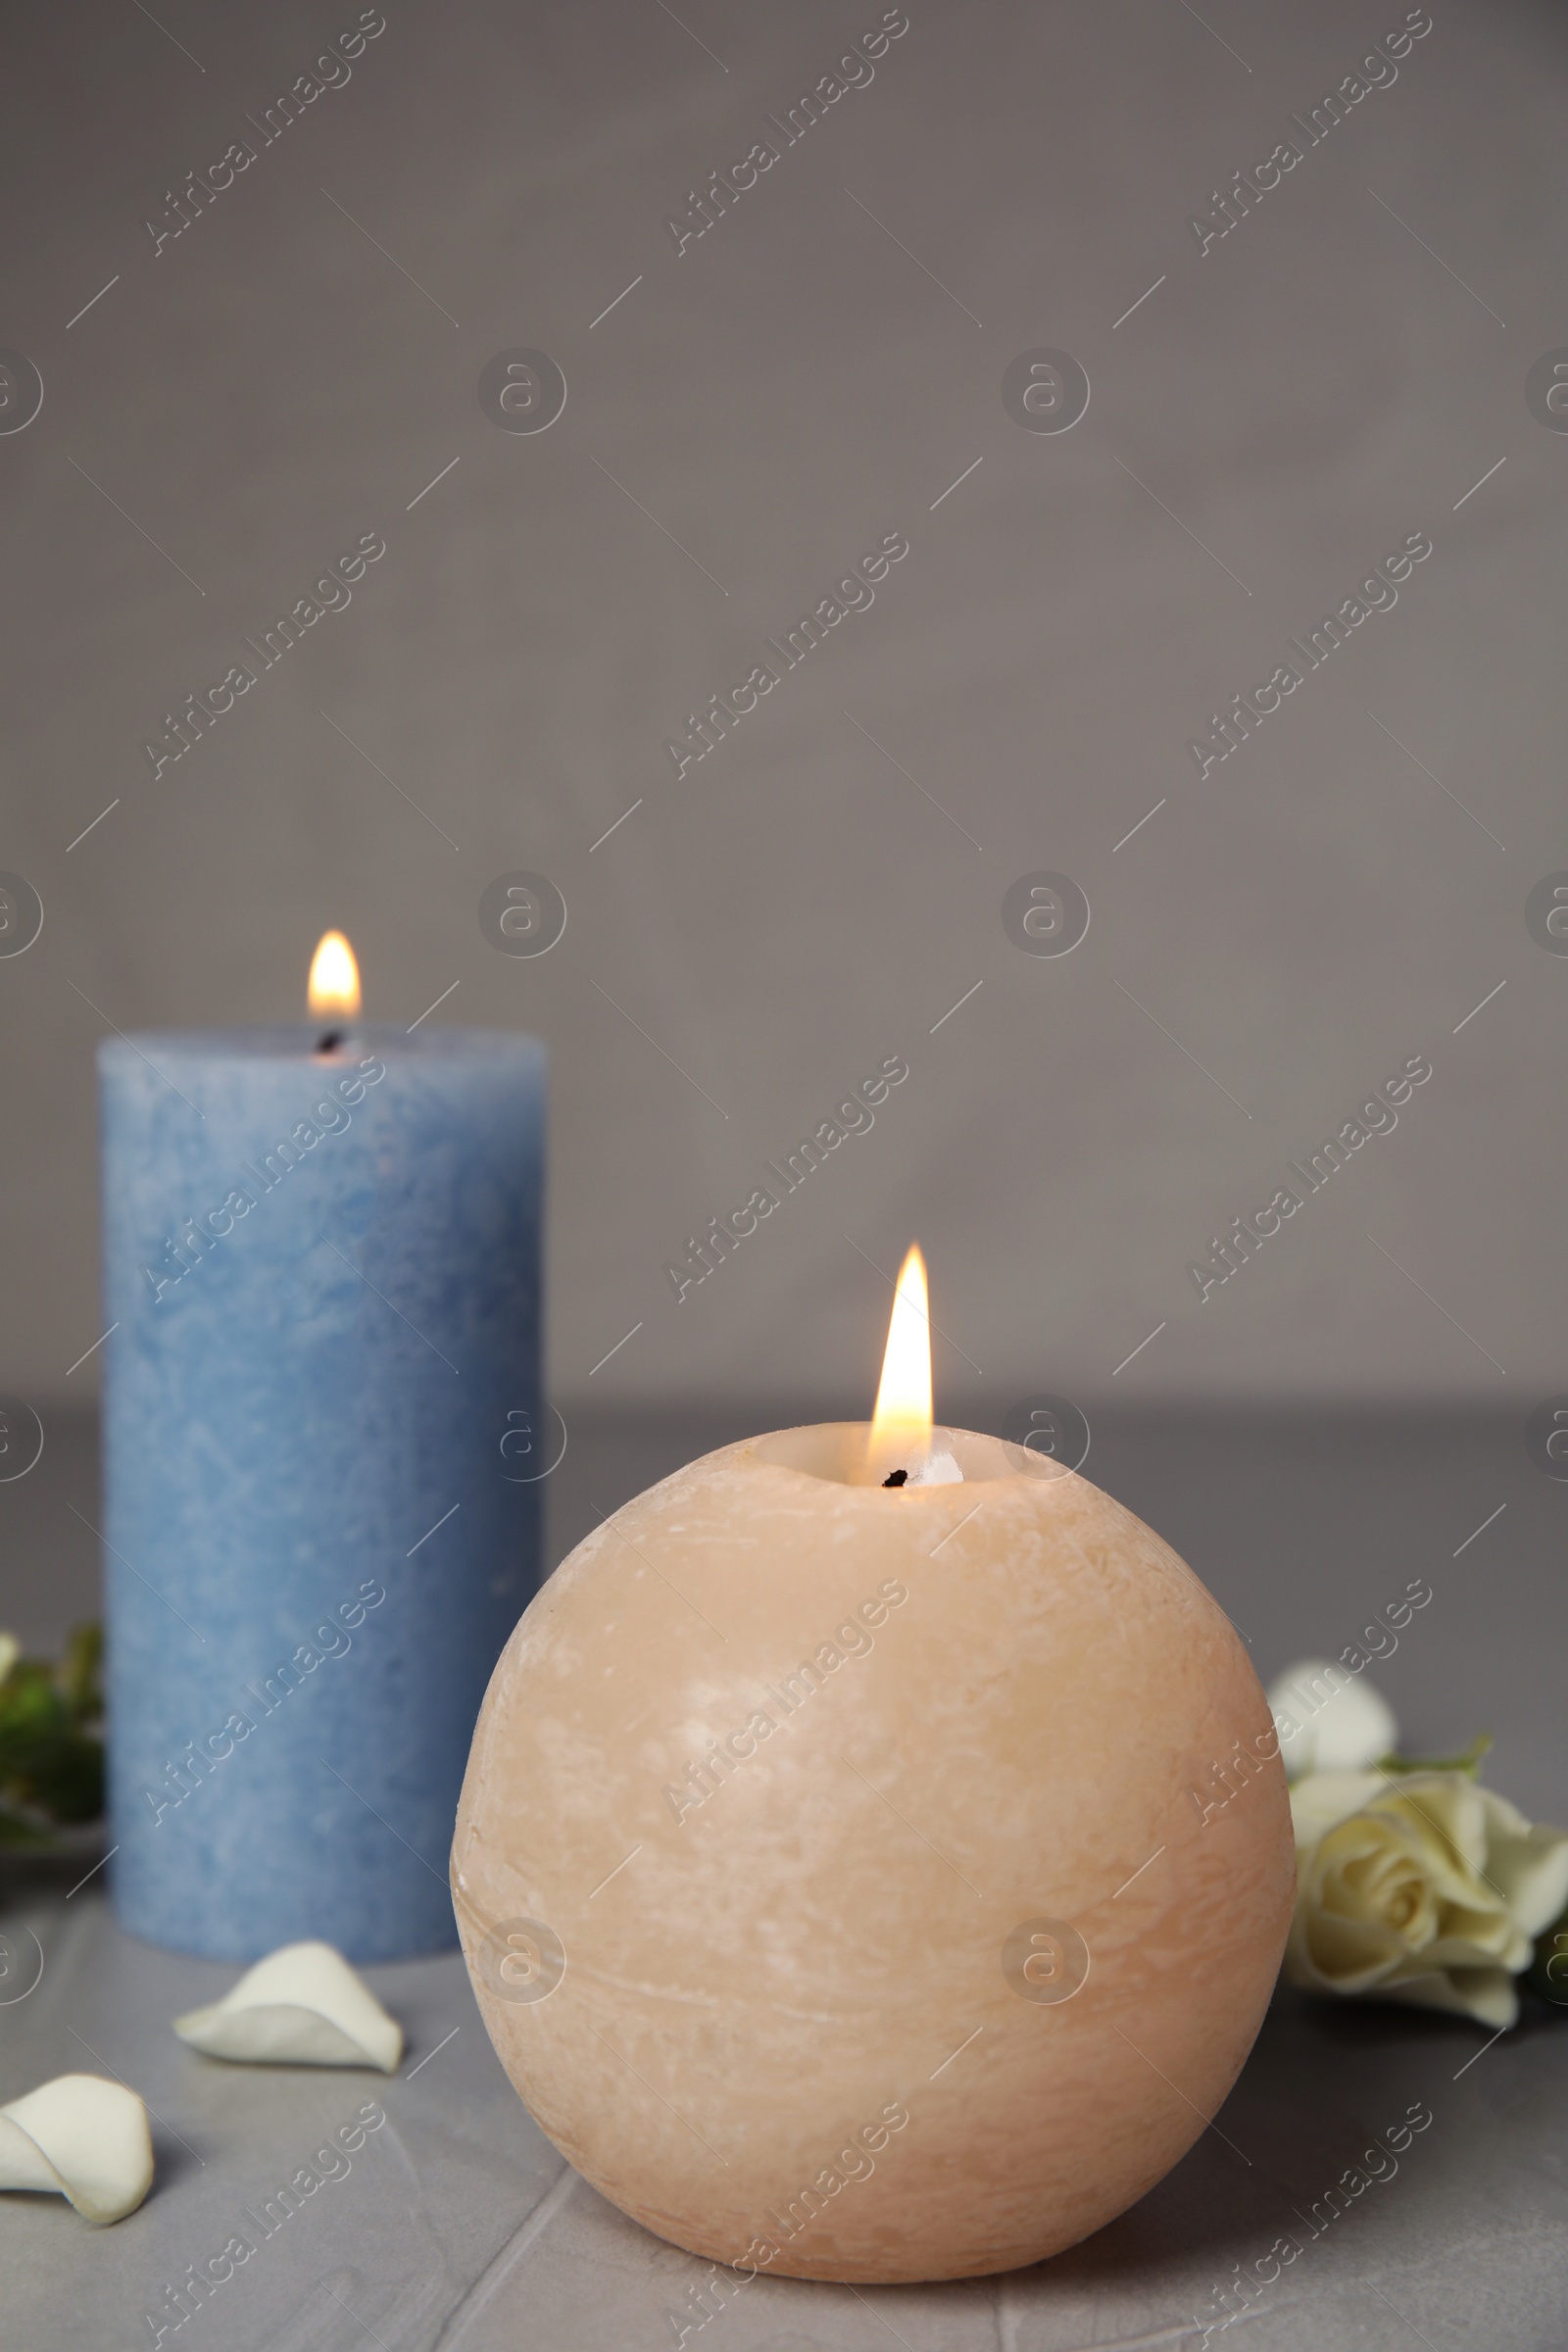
(334, 988)
(901, 1426)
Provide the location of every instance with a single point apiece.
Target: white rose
(1329, 1721)
(9, 1653)
(1425, 1888)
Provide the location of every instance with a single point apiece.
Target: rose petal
(1485, 1993)
(1467, 1943)
(83, 2137)
(1329, 1719)
(303, 2005)
(1323, 1798)
(1349, 1930)
(1446, 1812)
(1529, 1864)
(1337, 1955)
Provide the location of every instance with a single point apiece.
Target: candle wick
(330, 1040)
(896, 1478)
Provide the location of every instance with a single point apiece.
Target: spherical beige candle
(873, 1884)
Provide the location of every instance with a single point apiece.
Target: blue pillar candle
(324, 1430)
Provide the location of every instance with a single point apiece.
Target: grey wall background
(752, 416)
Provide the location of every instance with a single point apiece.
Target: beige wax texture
(848, 1875)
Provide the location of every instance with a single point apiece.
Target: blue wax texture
(324, 1433)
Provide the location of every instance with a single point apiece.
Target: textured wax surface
(285, 1424)
(792, 2013)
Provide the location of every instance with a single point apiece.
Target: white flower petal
(1322, 1798)
(1358, 1970)
(1485, 1993)
(303, 2005)
(1445, 1811)
(1329, 1719)
(1498, 1944)
(1530, 1865)
(9, 1653)
(86, 2138)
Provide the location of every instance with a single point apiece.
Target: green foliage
(1470, 1761)
(51, 1756)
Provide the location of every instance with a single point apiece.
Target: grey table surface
(458, 2224)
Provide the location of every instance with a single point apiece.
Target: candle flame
(901, 1426)
(334, 989)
